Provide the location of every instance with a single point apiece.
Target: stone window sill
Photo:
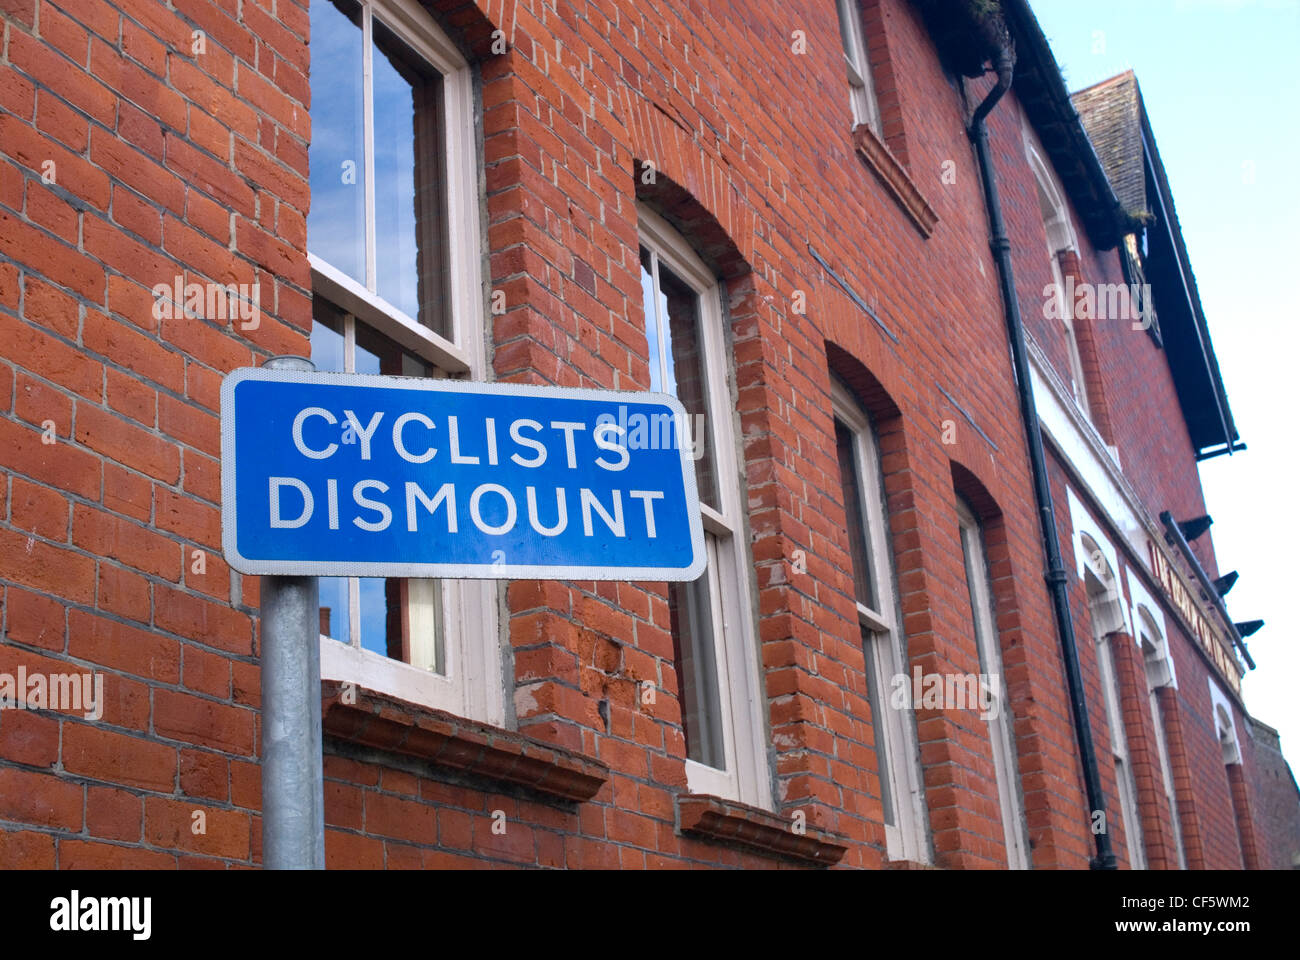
(725, 820)
(393, 725)
(907, 865)
(890, 172)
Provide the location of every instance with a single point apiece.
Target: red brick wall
(164, 164)
(1277, 802)
(171, 163)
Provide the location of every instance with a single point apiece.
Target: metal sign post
(293, 805)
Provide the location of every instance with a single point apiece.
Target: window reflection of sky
(671, 385)
(366, 362)
(327, 348)
(374, 615)
(651, 323)
(334, 600)
(658, 383)
(396, 254)
(680, 313)
(335, 226)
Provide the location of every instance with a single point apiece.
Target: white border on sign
(473, 571)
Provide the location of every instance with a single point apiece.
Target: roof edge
(1232, 437)
(1040, 87)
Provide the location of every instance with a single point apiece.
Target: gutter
(1055, 574)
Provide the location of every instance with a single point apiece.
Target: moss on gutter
(968, 33)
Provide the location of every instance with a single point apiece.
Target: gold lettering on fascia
(1184, 602)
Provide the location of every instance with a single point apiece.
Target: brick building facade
(691, 198)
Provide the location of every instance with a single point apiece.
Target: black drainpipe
(1055, 575)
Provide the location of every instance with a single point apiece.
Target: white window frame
(471, 684)
(857, 64)
(906, 839)
(742, 697)
(1225, 727)
(1001, 733)
(464, 352)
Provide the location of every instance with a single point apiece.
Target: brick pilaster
(1245, 822)
(1179, 767)
(1089, 356)
(1144, 754)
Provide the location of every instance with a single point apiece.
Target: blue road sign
(333, 474)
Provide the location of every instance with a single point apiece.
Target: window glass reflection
(685, 374)
(336, 158)
(334, 620)
(879, 725)
(376, 353)
(374, 616)
(691, 613)
(651, 321)
(328, 343)
(851, 493)
(408, 215)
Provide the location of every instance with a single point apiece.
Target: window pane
(878, 725)
(423, 638)
(848, 38)
(691, 612)
(687, 374)
(334, 620)
(851, 493)
(375, 353)
(651, 321)
(402, 619)
(978, 592)
(374, 616)
(336, 157)
(327, 344)
(408, 185)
